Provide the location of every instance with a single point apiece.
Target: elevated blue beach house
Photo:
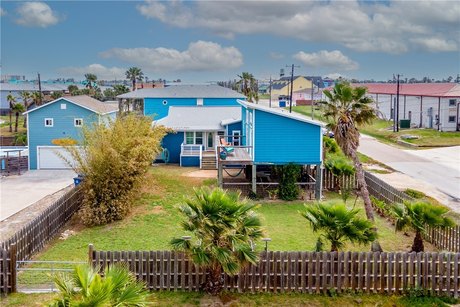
(62, 118)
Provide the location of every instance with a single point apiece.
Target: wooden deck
(238, 156)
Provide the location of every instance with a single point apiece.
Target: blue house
(199, 115)
(61, 119)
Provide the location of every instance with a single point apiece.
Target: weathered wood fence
(445, 239)
(307, 272)
(13, 165)
(34, 235)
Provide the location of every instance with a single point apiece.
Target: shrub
(114, 159)
(288, 176)
(414, 193)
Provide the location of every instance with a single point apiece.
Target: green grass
(5, 126)
(259, 299)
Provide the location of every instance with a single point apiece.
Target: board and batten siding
(282, 140)
(234, 127)
(63, 125)
(157, 109)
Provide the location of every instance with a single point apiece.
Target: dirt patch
(203, 173)
(157, 210)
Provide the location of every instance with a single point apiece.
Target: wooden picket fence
(444, 239)
(306, 272)
(383, 191)
(332, 182)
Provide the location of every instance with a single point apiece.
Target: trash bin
(282, 103)
(77, 180)
(404, 123)
(223, 155)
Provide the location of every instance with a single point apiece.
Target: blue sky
(200, 41)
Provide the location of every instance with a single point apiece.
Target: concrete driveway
(19, 192)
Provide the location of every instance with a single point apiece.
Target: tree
(90, 80)
(72, 88)
(17, 108)
(37, 98)
(416, 216)
(337, 224)
(57, 94)
(224, 227)
(347, 108)
(120, 89)
(114, 158)
(25, 99)
(11, 100)
(134, 74)
(86, 287)
(248, 86)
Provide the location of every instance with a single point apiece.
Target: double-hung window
(194, 138)
(78, 122)
(49, 122)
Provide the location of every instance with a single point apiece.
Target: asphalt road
(439, 167)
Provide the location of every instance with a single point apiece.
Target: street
(439, 167)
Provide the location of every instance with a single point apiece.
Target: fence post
(13, 266)
(90, 254)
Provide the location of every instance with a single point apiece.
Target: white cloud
(2, 12)
(102, 72)
(436, 44)
(276, 55)
(362, 26)
(200, 56)
(330, 59)
(36, 14)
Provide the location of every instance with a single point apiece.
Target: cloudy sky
(200, 41)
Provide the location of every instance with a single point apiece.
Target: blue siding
(231, 128)
(190, 161)
(172, 142)
(154, 106)
(281, 140)
(39, 135)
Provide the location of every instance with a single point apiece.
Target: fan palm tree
(37, 98)
(86, 287)
(337, 224)
(248, 86)
(346, 108)
(25, 99)
(134, 74)
(17, 108)
(90, 79)
(11, 100)
(224, 228)
(416, 216)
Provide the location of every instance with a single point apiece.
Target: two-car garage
(51, 157)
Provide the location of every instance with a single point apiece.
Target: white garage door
(49, 157)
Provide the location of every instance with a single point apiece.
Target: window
(63, 106)
(452, 102)
(452, 118)
(194, 138)
(49, 122)
(199, 101)
(165, 102)
(78, 122)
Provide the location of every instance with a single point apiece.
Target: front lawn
(5, 125)
(155, 220)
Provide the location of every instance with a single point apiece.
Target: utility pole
(396, 117)
(40, 88)
(270, 91)
(292, 85)
(312, 102)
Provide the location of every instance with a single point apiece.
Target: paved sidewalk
(19, 192)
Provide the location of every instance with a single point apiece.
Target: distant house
(198, 115)
(62, 118)
(282, 87)
(425, 105)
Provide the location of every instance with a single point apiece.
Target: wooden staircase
(208, 160)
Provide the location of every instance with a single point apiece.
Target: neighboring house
(426, 105)
(198, 114)
(282, 87)
(58, 119)
(274, 137)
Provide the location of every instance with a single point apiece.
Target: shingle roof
(85, 102)
(200, 118)
(414, 89)
(185, 91)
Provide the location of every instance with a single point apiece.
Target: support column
(220, 177)
(254, 179)
(319, 182)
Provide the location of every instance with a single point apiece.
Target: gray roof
(85, 102)
(185, 91)
(200, 118)
(46, 87)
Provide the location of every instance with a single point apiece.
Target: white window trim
(194, 138)
(52, 122)
(75, 122)
(63, 106)
(199, 101)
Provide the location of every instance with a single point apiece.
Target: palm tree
(134, 74)
(17, 108)
(348, 107)
(224, 228)
(120, 89)
(11, 100)
(86, 287)
(56, 95)
(337, 224)
(25, 99)
(418, 215)
(37, 98)
(90, 79)
(248, 86)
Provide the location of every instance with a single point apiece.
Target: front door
(210, 141)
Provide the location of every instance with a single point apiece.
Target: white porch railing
(191, 151)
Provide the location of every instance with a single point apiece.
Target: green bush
(288, 176)
(414, 193)
(114, 158)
